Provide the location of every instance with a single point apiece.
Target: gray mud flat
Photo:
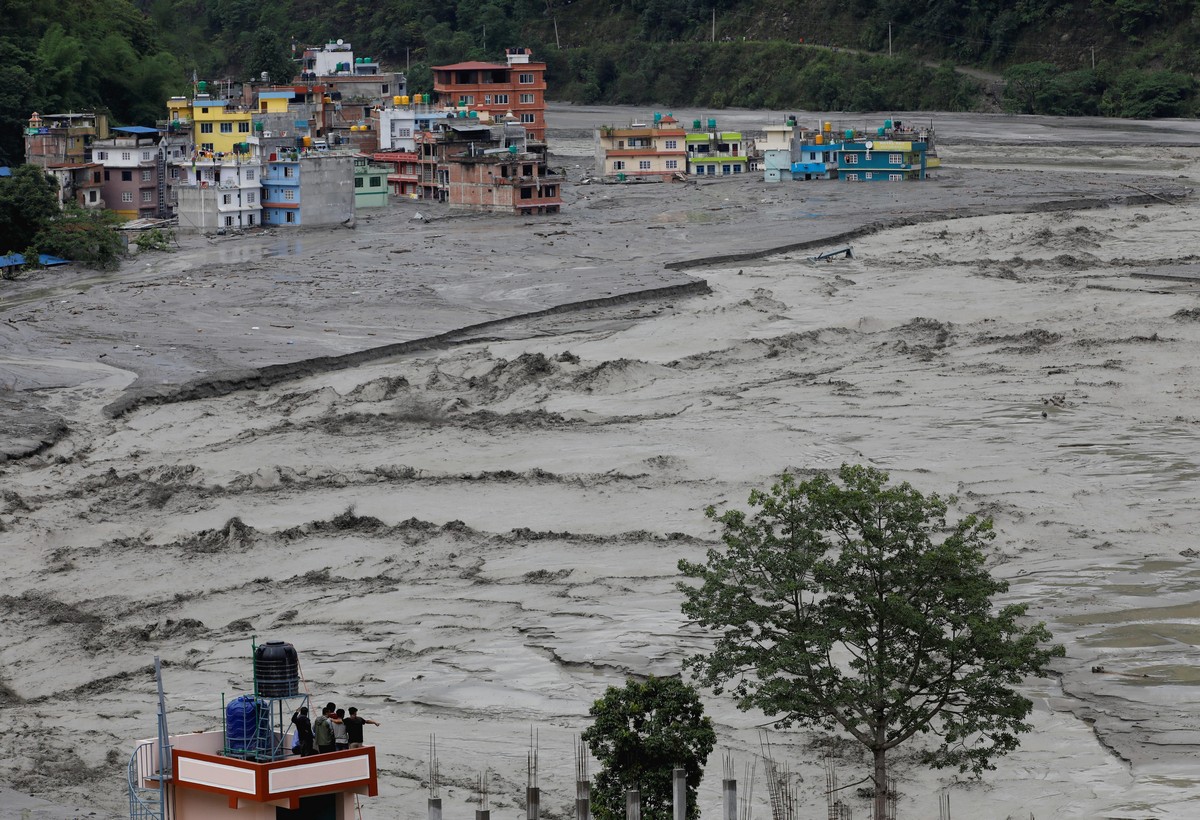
(456, 461)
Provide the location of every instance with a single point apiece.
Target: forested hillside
(1116, 57)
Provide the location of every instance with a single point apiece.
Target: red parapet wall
(350, 771)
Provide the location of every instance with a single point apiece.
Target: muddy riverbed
(410, 451)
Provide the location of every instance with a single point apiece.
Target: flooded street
(456, 459)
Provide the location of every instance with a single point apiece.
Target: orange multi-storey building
(517, 86)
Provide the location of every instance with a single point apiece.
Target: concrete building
(134, 182)
(491, 169)
(218, 193)
(642, 152)
(370, 184)
(517, 87)
(712, 152)
(214, 125)
(62, 139)
(352, 87)
(402, 174)
(309, 188)
(894, 153)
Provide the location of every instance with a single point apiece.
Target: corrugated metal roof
(136, 129)
(5, 171)
(17, 259)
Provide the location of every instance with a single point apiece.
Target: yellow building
(215, 124)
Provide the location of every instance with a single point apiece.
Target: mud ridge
(257, 378)
(870, 228)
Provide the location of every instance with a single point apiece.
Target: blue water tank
(241, 723)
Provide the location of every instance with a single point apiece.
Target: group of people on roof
(333, 731)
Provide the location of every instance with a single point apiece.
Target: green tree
(271, 55)
(1024, 84)
(28, 201)
(83, 235)
(640, 733)
(850, 604)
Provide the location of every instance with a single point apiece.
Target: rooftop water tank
(202, 87)
(241, 723)
(712, 123)
(277, 667)
(887, 124)
(849, 133)
(695, 125)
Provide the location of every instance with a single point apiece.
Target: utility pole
(889, 38)
(714, 24)
(1093, 58)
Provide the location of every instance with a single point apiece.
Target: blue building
(893, 154)
(312, 188)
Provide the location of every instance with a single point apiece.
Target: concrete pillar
(533, 796)
(435, 808)
(679, 793)
(633, 805)
(583, 800)
(729, 808)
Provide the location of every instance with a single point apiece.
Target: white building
(219, 193)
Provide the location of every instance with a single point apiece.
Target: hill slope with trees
(1116, 57)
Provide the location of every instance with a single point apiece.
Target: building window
(96, 177)
(895, 177)
(851, 159)
(289, 195)
(226, 128)
(358, 182)
(671, 145)
(146, 174)
(249, 174)
(125, 156)
(145, 155)
(384, 89)
(501, 99)
(147, 196)
(376, 182)
(127, 196)
(174, 172)
(92, 196)
(550, 190)
(228, 221)
(852, 177)
(528, 99)
(644, 165)
(106, 175)
(724, 170)
(289, 171)
(403, 132)
(289, 217)
(619, 165)
(101, 155)
(250, 197)
(206, 146)
(127, 176)
(525, 79)
(528, 118)
(526, 193)
(895, 159)
(250, 217)
(243, 128)
(672, 164)
(226, 199)
(206, 128)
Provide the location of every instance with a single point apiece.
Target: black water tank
(277, 670)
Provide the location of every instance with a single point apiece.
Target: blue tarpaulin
(15, 260)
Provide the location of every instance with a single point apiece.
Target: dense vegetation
(1117, 57)
(32, 223)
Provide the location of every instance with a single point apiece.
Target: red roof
(469, 66)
